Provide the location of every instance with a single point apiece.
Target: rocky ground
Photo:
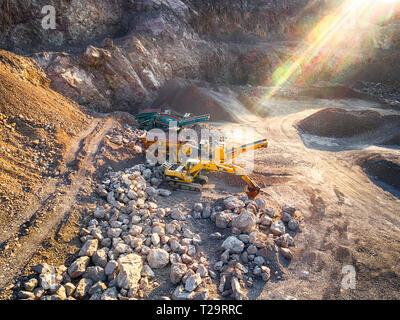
(83, 216)
(135, 239)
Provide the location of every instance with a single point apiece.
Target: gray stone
(252, 249)
(97, 289)
(100, 258)
(259, 260)
(177, 214)
(110, 267)
(114, 232)
(266, 220)
(287, 253)
(232, 203)
(206, 212)
(60, 293)
(50, 279)
(164, 193)
(286, 217)
(244, 238)
(198, 207)
(285, 241)
(233, 244)
(245, 222)
(293, 225)
(202, 271)
(270, 212)
(82, 289)
(278, 228)
(222, 219)
(130, 267)
(158, 258)
(147, 272)
(26, 295)
(265, 273)
(99, 213)
(237, 289)
(193, 282)
(289, 209)
(95, 274)
(135, 230)
(31, 284)
(177, 272)
(69, 288)
(180, 294)
(225, 256)
(78, 267)
(110, 294)
(261, 203)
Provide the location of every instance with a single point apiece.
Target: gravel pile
(385, 92)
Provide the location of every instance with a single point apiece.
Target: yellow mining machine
(189, 164)
(189, 176)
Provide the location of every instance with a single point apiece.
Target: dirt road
(349, 220)
(25, 235)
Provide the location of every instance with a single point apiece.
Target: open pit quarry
(85, 216)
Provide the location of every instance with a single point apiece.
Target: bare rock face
(130, 267)
(126, 72)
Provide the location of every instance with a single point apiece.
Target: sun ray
(339, 29)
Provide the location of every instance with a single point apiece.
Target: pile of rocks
(130, 237)
(127, 136)
(123, 242)
(258, 236)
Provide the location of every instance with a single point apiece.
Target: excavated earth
(74, 183)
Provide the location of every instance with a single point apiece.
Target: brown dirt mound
(340, 123)
(36, 124)
(188, 96)
(382, 170)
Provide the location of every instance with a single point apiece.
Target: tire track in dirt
(58, 198)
